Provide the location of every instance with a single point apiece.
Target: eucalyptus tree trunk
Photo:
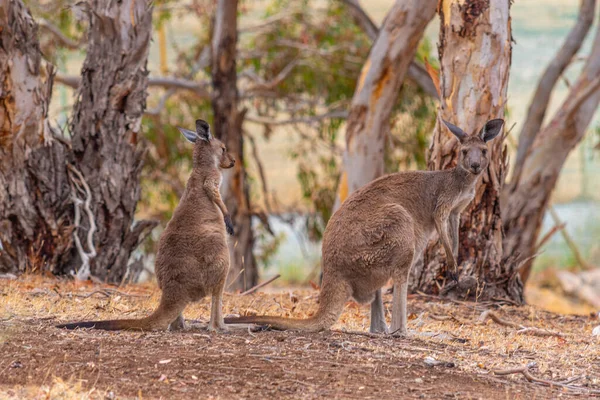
(228, 120)
(35, 207)
(475, 56)
(107, 145)
(377, 91)
(525, 198)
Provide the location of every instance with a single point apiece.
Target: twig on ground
(525, 370)
(489, 314)
(106, 293)
(255, 288)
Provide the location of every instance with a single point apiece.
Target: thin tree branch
(284, 73)
(261, 173)
(261, 285)
(578, 99)
(202, 62)
(574, 249)
(541, 98)
(416, 72)
(300, 120)
(199, 89)
(58, 35)
(362, 19)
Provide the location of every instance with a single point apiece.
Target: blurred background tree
(297, 68)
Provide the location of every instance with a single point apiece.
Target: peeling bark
(416, 72)
(525, 199)
(35, 210)
(105, 129)
(377, 91)
(243, 272)
(475, 55)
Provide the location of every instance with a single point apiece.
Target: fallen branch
(522, 330)
(106, 293)
(525, 372)
(255, 288)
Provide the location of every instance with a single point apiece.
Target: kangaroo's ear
(203, 130)
(459, 133)
(189, 135)
(491, 129)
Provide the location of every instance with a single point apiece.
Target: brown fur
(382, 229)
(193, 258)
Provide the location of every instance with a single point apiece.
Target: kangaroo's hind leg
(378, 324)
(400, 299)
(216, 311)
(399, 313)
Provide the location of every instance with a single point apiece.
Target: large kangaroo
(381, 230)
(193, 258)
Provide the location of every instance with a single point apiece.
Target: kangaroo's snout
(229, 162)
(476, 167)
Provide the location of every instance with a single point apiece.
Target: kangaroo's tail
(167, 312)
(331, 304)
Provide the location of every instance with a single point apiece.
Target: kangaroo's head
(473, 152)
(207, 149)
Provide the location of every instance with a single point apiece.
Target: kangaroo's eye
(464, 152)
(484, 152)
(223, 150)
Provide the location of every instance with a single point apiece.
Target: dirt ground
(40, 361)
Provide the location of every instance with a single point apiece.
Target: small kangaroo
(381, 230)
(193, 259)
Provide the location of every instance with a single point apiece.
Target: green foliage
(319, 186)
(266, 245)
(329, 51)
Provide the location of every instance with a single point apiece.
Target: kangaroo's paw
(217, 327)
(379, 327)
(400, 333)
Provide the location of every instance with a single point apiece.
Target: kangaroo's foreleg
(441, 225)
(453, 224)
(378, 324)
(211, 186)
